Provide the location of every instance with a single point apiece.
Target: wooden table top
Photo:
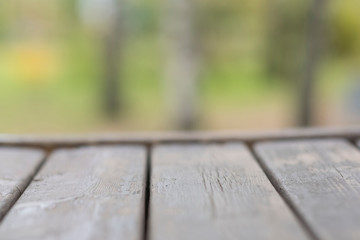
(295, 184)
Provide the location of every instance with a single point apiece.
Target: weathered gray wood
(171, 137)
(85, 193)
(215, 192)
(17, 167)
(321, 180)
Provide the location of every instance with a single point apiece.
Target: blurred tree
(295, 39)
(69, 13)
(111, 45)
(313, 53)
(286, 23)
(183, 61)
(105, 18)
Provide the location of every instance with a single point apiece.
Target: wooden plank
(56, 141)
(85, 193)
(17, 168)
(321, 180)
(215, 191)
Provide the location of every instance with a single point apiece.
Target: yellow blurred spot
(33, 63)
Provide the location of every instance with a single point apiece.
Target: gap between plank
(306, 226)
(147, 193)
(28, 182)
(353, 142)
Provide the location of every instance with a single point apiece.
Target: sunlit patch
(32, 63)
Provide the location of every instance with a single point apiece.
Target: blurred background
(73, 66)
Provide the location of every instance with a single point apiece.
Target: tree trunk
(183, 61)
(111, 45)
(112, 57)
(313, 52)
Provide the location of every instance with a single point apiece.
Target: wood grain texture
(321, 180)
(215, 191)
(17, 167)
(85, 193)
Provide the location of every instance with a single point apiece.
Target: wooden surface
(321, 180)
(215, 192)
(17, 167)
(56, 141)
(86, 193)
(182, 186)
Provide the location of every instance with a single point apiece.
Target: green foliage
(344, 25)
(239, 40)
(285, 43)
